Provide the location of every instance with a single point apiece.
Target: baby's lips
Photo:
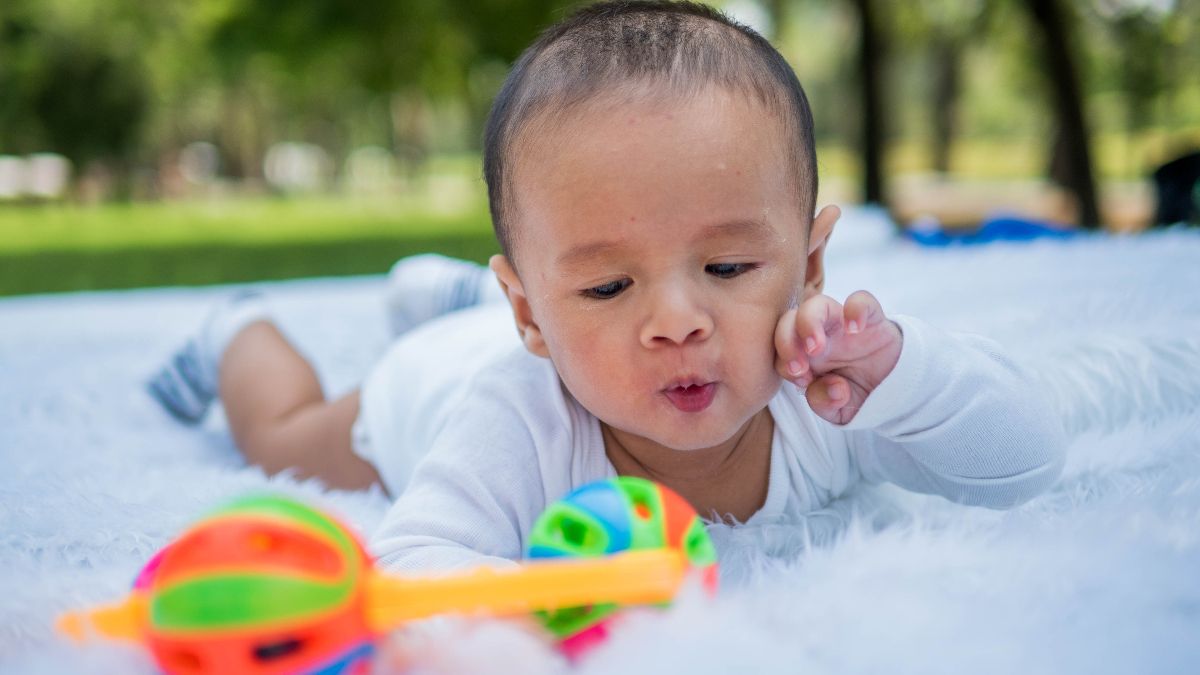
(693, 398)
(687, 381)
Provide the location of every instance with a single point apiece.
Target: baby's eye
(729, 270)
(605, 291)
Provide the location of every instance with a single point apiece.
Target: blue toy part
(591, 521)
(354, 661)
(996, 228)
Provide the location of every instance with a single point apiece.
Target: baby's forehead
(572, 124)
(626, 131)
(655, 174)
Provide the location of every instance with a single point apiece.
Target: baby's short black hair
(677, 47)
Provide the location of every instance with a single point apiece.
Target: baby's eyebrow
(584, 252)
(752, 228)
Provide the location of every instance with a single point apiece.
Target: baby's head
(652, 177)
(615, 53)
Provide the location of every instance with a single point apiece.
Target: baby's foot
(422, 287)
(187, 383)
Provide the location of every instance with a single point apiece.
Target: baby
(652, 179)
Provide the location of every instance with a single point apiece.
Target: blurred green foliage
(121, 87)
(130, 82)
(67, 88)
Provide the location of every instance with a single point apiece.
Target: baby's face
(658, 244)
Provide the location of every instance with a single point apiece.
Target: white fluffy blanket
(1100, 575)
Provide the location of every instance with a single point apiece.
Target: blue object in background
(997, 228)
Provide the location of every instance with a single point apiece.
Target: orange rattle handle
(125, 620)
(635, 577)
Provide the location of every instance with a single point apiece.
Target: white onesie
(476, 437)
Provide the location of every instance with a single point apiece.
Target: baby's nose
(676, 319)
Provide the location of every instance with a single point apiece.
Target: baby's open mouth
(692, 397)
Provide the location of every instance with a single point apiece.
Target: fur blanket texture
(1099, 575)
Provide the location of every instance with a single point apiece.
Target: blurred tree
(70, 87)
(872, 51)
(943, 29)
(402, 52)
(1139, 34)
(1145, 51)
(1071, 163)
(90, 103)
(20, 74)
(1181, 34)
(129, 82)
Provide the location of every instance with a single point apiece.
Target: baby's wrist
(888, 355)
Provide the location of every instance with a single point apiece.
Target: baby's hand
(838, 353)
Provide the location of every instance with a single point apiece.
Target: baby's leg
(273, 402)
(423, 287)
(279, 416)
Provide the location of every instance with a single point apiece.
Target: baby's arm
(932, 412)
(467, 502)
(957, 417)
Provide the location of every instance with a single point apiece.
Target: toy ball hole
(272, 651)
(573, 531)
(695, 543)
(642, 511)
(184, 661)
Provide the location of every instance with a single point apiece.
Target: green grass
(64, 248)
(245, 221)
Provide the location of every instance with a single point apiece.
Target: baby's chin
(696, 437)
(692, 435)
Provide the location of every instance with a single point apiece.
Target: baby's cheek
(755, 352)
(591, 369)
(766, 377)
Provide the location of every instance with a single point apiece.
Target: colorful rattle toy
(270, 586)
(611, 517)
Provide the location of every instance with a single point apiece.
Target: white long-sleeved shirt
(955, 417)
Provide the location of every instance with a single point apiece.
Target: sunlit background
(149, 143)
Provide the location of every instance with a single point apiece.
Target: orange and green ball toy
(265, 585)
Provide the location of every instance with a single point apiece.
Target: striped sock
(186, 384)
(427, 286)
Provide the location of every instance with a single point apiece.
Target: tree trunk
(1072, 154)
(240, 136)
(947, 54)
(410, 131)
(870, 61)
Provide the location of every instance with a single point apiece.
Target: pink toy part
(146, 576)
(582, 643)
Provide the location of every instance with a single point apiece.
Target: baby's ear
(527, 327)
(818, 237)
